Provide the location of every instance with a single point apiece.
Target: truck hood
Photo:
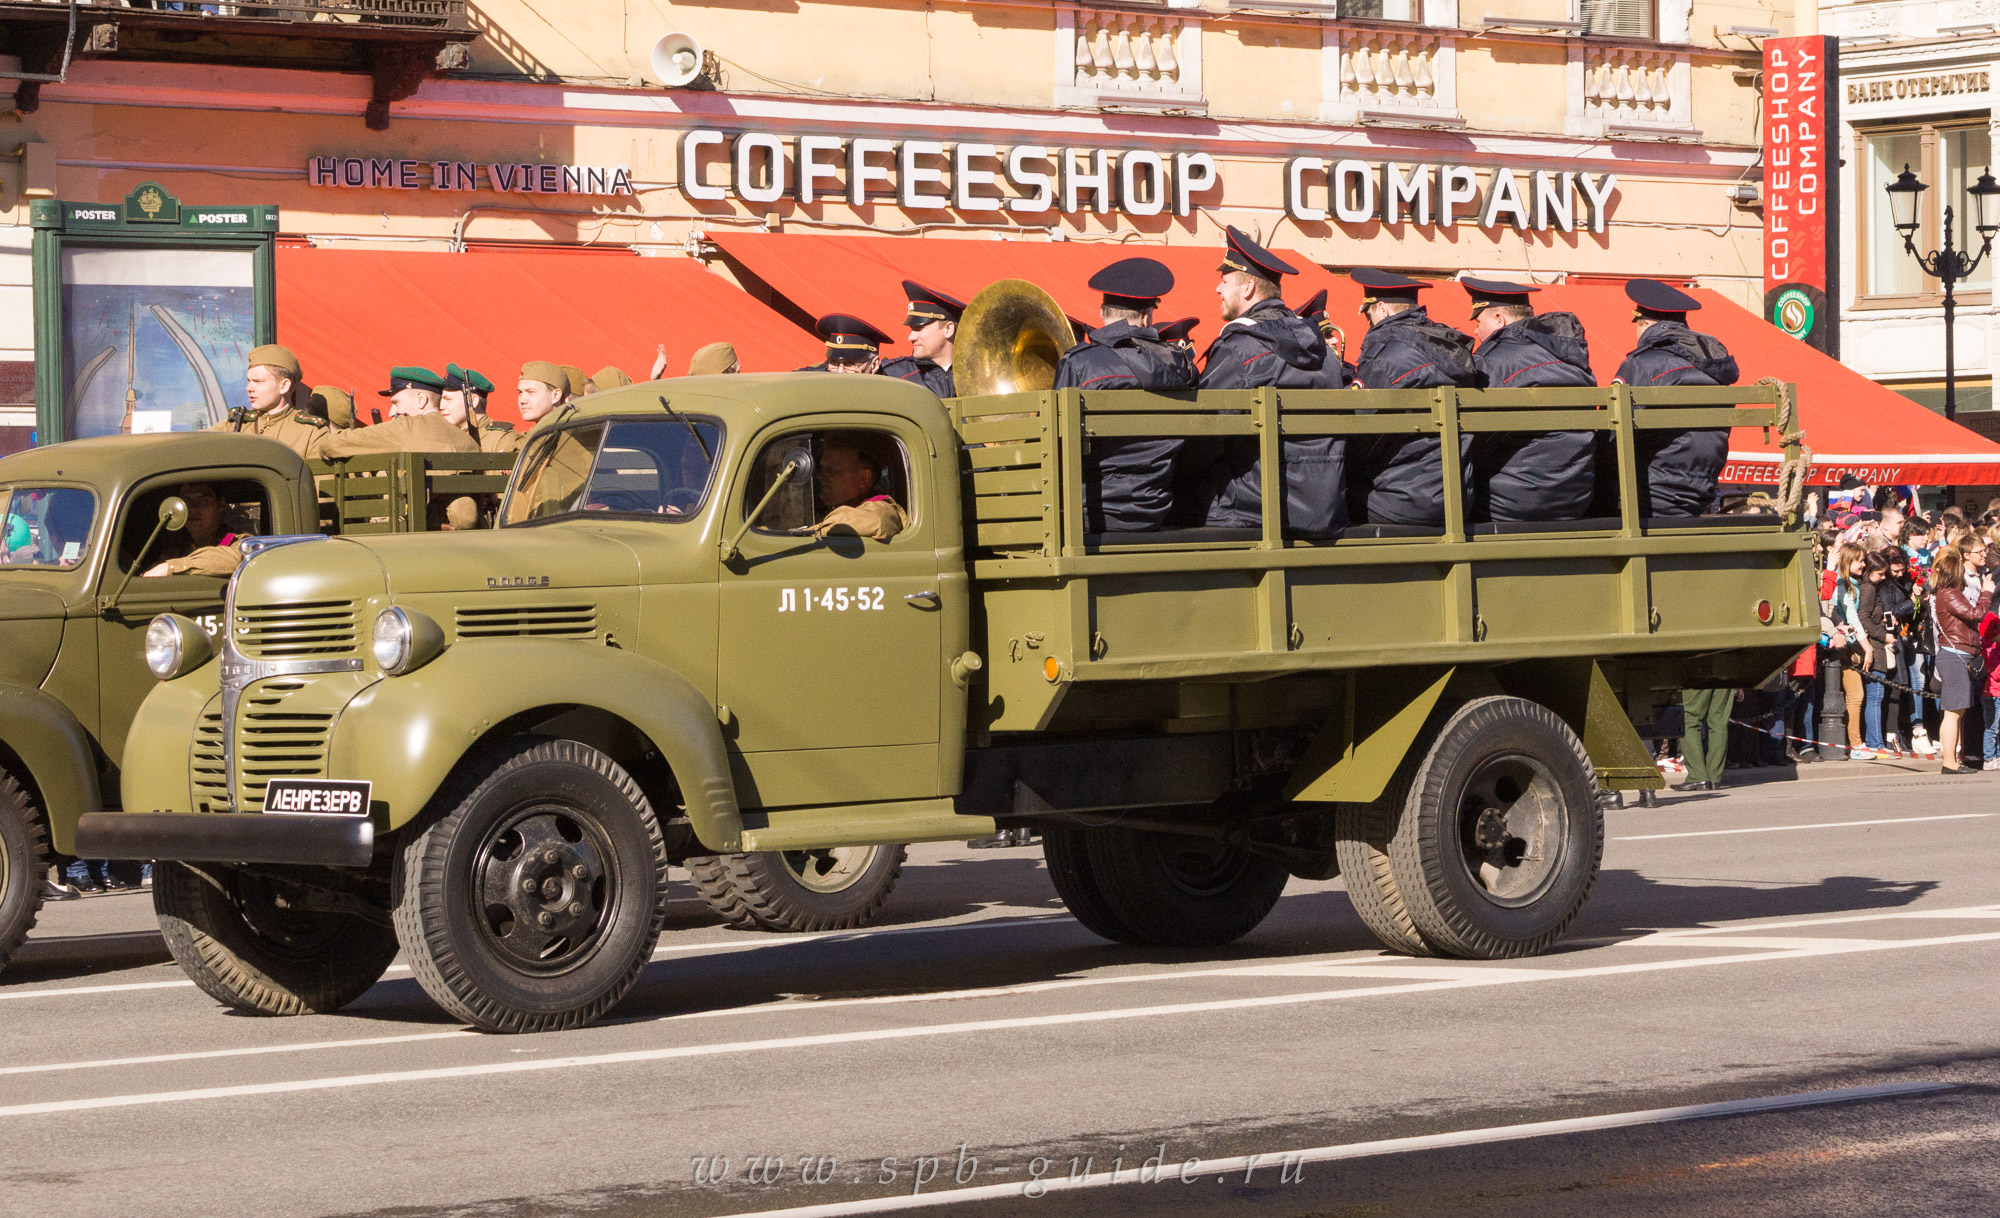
(31, 622)
(571, 555)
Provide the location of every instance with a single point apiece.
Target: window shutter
(1618, 18)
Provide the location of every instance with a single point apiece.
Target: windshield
(46, 526)
(656, 468)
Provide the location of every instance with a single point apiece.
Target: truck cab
(83, 524)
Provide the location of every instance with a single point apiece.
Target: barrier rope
(1792, 471)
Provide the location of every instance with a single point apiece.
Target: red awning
(864, 275)
(351, 315)
(1852, 424)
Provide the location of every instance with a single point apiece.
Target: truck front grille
(549, 621)
(298, 631)
(209, 775)
(274, 740)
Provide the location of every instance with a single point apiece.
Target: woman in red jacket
(1963, 594)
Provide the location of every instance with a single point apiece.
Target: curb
(1818, 772)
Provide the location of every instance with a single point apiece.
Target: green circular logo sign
(1792, 312)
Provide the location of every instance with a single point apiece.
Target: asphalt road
(1782, 998)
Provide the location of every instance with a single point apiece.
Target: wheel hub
(1509, 842)
(543, 882)
(1489, 831)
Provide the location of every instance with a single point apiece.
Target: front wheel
(253, 942)
(535, 900)
(1499, 834)
(838, 888)
(24, 861)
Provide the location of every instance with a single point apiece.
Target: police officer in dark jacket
(1264, 343)
(1678, 470)
(852, 345)
(1178, 333)
(1522, 475)
(1401, 478)
(933, 322)
(1128, 481)
(1314, 312)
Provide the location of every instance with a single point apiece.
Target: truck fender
(1365, 740)
(57, 757)
(406, 734)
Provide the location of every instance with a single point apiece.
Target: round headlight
(163, 648)
(176, 646)
(391, 644)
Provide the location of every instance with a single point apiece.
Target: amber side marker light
(1052, 668)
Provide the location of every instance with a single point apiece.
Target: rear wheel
(1362, 833)
(1500, 835)
(1182, 891)
(838, 888)
(251, 942)
(1066, 852)
(24, 861)
(535, 900)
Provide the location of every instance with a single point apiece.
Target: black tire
(24, 862)
(1362, 835)
(1180, 891)
(239, 936)
(1500, 835)
(1066, 852)
(799, 890)
(508, 959)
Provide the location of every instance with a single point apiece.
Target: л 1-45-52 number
(828, 600)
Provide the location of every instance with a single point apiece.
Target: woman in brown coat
(1962, 595)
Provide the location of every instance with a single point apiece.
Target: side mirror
(793, 469)
(173, 515)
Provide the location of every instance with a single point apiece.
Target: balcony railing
(431, 14)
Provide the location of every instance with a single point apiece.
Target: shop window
(1619, 18)
(1949, 158)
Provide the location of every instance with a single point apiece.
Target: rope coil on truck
(1792, 471)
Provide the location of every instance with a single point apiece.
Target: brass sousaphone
(1009, 340)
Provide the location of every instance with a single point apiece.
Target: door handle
(929, 594)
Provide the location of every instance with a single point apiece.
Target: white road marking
(252, 1051)
(1280, 1160)
(73, 991)
(1832, 824)
(1485, 977)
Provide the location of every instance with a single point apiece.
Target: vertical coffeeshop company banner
(1802, 188)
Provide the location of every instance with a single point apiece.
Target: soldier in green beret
(464, 405)
(416, 426)
(271, 384)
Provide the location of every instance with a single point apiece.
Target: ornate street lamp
(1949, 265)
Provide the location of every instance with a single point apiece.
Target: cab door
(829, 660)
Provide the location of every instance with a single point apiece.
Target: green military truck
(487, 749)
(85, 519)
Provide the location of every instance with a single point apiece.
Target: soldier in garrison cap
(851, 485)
(463, 404)
(611, 376)
(852, 345)
(1264, 343)
(1678, 470)
(556, 472)
(271, 384)
(1400, 479)
(715, 359)
(335, 405)
(1128, 481)
(575, 381)
(414, 426)
(933, 322)
(1520, 475)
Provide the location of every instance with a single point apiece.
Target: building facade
(1916, 92)
(1548, 138)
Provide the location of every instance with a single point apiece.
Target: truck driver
(850, 484)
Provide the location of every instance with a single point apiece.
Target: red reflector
(1764, 612)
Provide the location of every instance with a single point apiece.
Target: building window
(1948, 158)
(1381, 10)
(1618, 18)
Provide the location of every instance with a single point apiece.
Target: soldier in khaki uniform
(611, 376)
(335, 405)
(575, 381)
(848, 485)
(542, 392)
(463, 404)
(270, 384)
(416, 425)
(543, 398)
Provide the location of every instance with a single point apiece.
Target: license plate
(317, 797)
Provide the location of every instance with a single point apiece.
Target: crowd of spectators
(1908, 661)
